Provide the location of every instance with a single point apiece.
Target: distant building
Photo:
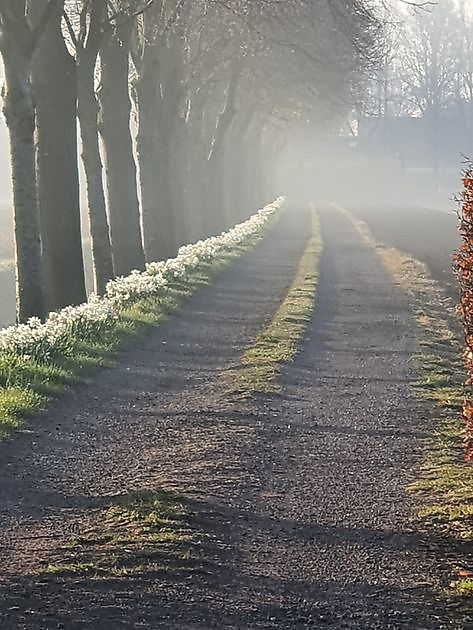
(412, 140)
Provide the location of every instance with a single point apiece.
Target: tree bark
(198, 154)
(258, 190)
(122, 189)
(54, 86)
(158, 221)
(237, 167)
(179, 181)
(88, 120)
(215, 162)
(18, 109)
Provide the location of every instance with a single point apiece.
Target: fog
(5, 174)
(230, 272)
(339, 170)
(379, 115)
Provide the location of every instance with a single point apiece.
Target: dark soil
(298, 500)
(431, 236)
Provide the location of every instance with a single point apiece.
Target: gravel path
(300, 498)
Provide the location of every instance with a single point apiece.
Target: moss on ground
(463, 587)
(277, 343)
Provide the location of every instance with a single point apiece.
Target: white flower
(42, 340)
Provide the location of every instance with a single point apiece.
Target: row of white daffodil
(41, 340)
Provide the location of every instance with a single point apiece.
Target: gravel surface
(429, 235)
(299, 499)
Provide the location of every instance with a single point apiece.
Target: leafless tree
(18, 41)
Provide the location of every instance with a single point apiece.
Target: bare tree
(86, 31)
(18, 41)
(55, 95)
(157, 91)
(121, 175)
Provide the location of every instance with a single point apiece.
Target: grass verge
(27, 383)
(277, 343)
(445, 479)
(139, 534)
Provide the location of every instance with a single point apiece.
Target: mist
(236, 314)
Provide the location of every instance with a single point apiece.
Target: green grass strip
(27, 384)
(278, 343)
(133, 535)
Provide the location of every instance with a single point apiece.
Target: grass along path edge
(42, 369)
(279, 341)
(445, 480)
(149, 531)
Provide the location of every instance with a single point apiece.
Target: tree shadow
(223, 585)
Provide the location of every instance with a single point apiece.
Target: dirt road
(299, 499)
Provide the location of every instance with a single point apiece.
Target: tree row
(179, 109)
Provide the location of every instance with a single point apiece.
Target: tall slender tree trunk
(198, 153)
(272, 152)
(164, 180)
(190, 211)
(435, 146)
(238, 160)
(158, 221)
(54, 85)
(202, 219)
(179, 181)
(259, 188)
(236, 176)
(173, 134)
(122, 189)
(215, 198)
(18, 109)
(215, 162)
(88, 120)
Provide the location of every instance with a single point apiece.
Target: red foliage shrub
(464, 267)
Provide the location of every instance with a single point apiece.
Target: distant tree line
(427, 71)
(182, 108)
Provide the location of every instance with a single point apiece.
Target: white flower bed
(41, 340)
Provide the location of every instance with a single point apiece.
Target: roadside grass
(132, 535)
(278, 342)
(445, 480)
(28, 383)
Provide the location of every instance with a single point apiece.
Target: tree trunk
(215, 169)
(122, 189)
(88, 120)
(19, 114)
(257, 165)
(191, 194)
(236, 179)
(198, 153)
(164, 176)
(237, 166)
(178, 157)
(215, 194)
(158, 221)
(435, 146)
(173, 133)
(54, 85)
